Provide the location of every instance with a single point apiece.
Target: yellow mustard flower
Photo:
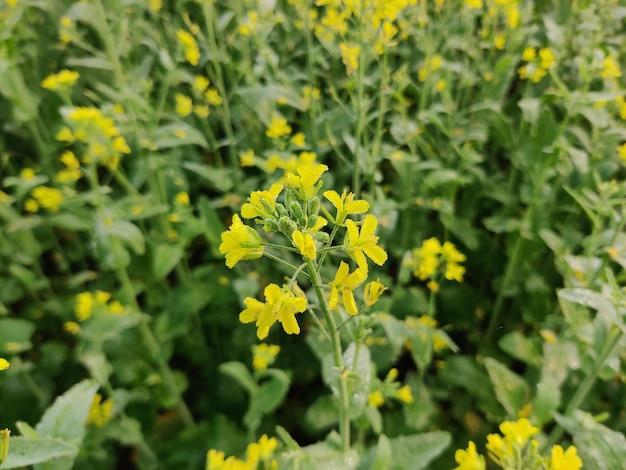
(376, 399)
(278, 127)
(350, 57)
(4, 364)
(568, 460)
(518, 432)
(71, 327)
(372, 292)
(48, 198)
(200, 83)
(344, 284)
(215, 460)
(474, 4)
(184, 105)
(346, 205)
(547, 58)
(359, 244)
(298, 140)
(621, 151)
(261, 204)
(101, 411)
(305, 243)
(469, 459)
(61, 81)
(213, 97)
(307, 183)
(610, 69)
(240, 242)
(189, 46)
(264, 355)
(497, 448)
(246, 158)
(529, 54)
(405, 395)
(281, 305)
(182, 198)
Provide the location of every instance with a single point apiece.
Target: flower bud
(321, 237)
(295, 209)
(287, 226)
(313, 206)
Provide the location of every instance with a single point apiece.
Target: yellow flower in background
(305, 243)
(264, 355)
(155, 5)
(278, 127)
(71, 327)
(405, 395)
(359, 244)
(299, 140)
(213, 97)
(61, 81)
(4, 364)
(184, 105)
(529, 54)
(281, 305)
(547, 58)
(101, 411)
(48, 198)
(469, 459)
(240, 242)
(182, 198)
(496, 448)
(344, 284)
(372, 292)
(350, 57)
(189, 46)
(376, 399)
(346, 205)
(568, 460)
(200, 84)
(246, 158)
(518, 432)
(610, 69)
(474, 4)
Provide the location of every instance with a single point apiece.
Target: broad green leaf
(67, 416)
(510, 389)
(322, 414)
(520, 347)
(15, 334)
(24, 452)
(416, 451)
(357, 361)
(98, 366)
(271, 393)
(384, 455)
(178, 135)
(218, 178)
(241, 374)
(165, 257)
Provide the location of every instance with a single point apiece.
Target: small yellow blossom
(101, 411)
(469, 459)
(405, 395)
(621, 150)
(307, 182)
(155, 5)
(184, 105)
(474, 4)
(202, 111)
(547, 58)
(529, 54)
(264, 355)
(298, 140)
(372, 292)
(27, 174)
(350, 57)
(376, 399)
(71, 327)
(61, 81)
(568, 460)
(246, 158)
(182, 198)
(200, 84)
(344, 284)
(240, 242)
(261, 204)
(189, 46)
(278, 127)
(346, 205)
(610, 69)
(281, 305)
(4, 364)
(359, 244)
(305, 243)
(213, 97)
(48, 198)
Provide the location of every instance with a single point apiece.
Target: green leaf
(416, 451)
(322, 414)
(218, 178)
(520, 347)
(24, 451)
(98, 366)
(165, 257)
(240, 373)
(383, 457)
(510, 389)
(15, 335)
(177, 135)
(66, 417)
(272, 392)
(358, 361)
(530, 109)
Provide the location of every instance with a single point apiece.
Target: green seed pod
(311, 221)
(321, 237)
(270, 225)
(281, 211)
(313, 206)
(287, 226)
(295, 209)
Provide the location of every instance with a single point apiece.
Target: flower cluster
(514, 448)
(189, 46)
(104, 143)
(45, 197)
(298, 218)
(432, 260)
(257, 453)
(537, 63)
(61, 81)
(4, 364)
(88, 303)
(389, 389)
(264, 355)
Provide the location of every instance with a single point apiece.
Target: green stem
(344, 419)
(585, 387)
(281, 261)
(154, 352)
(356, 174)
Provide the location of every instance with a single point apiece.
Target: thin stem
(282, 261)
(585, 387)
(356, 174)
(344, 419)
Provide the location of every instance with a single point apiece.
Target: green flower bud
(312, 221)
(313, 206)
(287, 226)
(321, 237)
(270, 225)
(295, 209)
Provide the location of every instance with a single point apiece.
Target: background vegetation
(133, 131)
